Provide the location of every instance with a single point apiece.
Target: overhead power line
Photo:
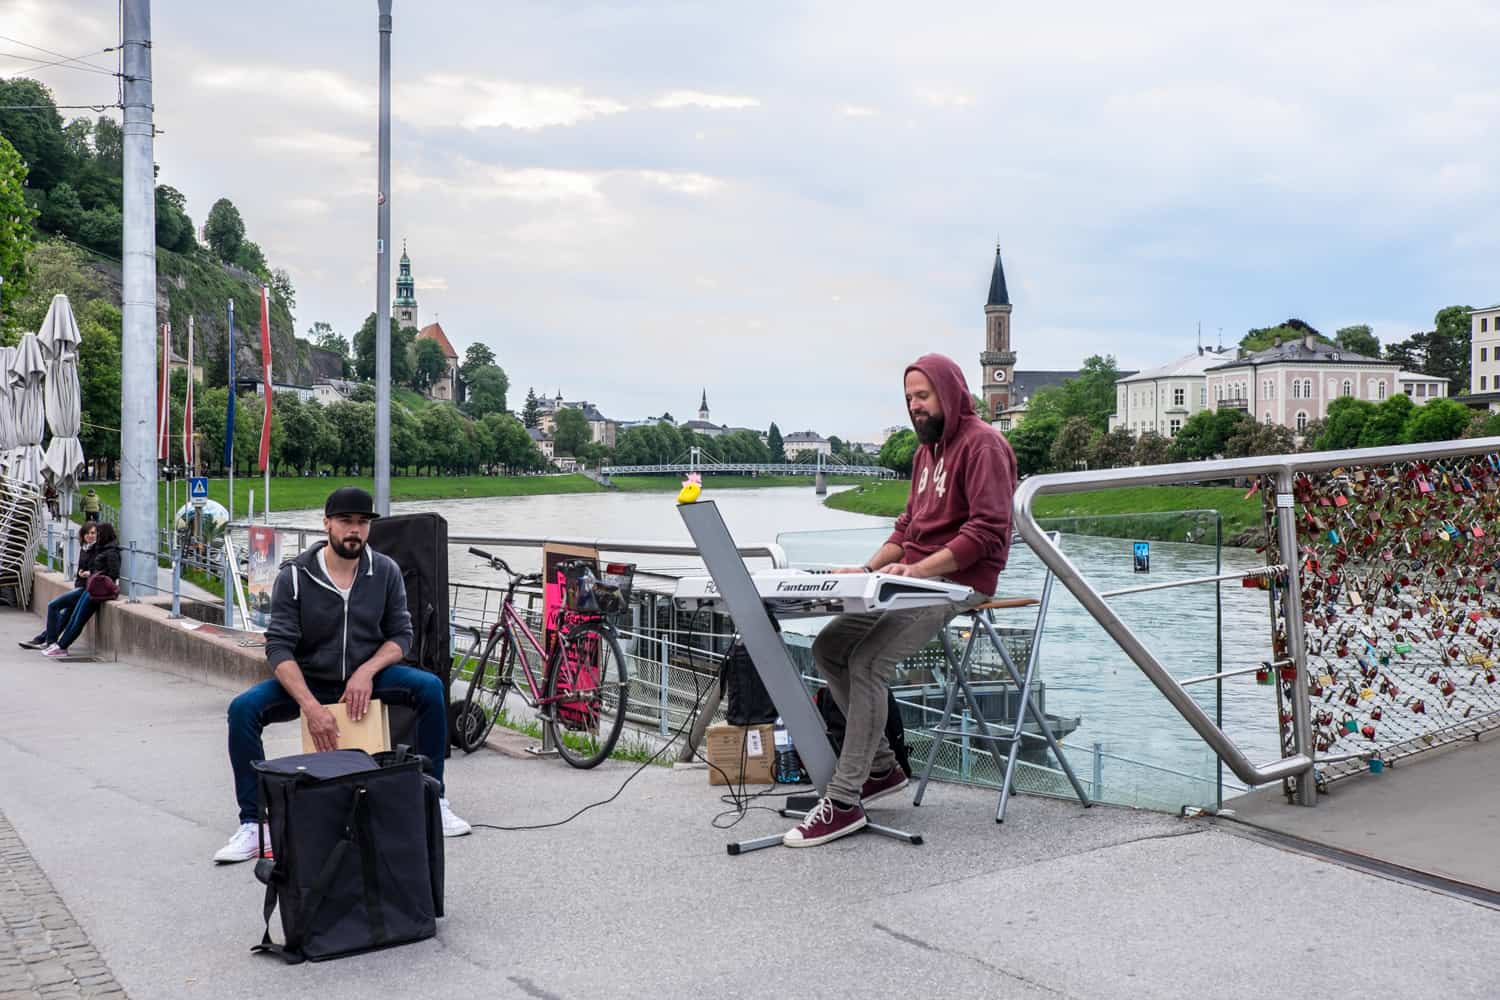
(64, 63)
(59, 55)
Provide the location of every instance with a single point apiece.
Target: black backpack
(895, 728)
(358, 852)
(747, 702)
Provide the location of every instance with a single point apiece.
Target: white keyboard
(800, 593)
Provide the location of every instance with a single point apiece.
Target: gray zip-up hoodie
(327, 636)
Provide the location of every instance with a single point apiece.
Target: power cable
(65, 63)
(50, 52)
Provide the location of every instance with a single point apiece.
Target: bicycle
(584, 691)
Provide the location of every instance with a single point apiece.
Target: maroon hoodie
(961, 487)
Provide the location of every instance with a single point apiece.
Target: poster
(265, 561)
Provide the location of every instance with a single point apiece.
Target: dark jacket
(329, 638)
(103, 560)
(961, 487)
(85, 554)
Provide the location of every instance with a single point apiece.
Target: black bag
(357, 844)
(419, 545)
(895, 728)
(748, 703)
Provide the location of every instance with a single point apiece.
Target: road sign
(1143, 557)
(198, 490)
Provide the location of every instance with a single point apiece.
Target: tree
(1070, 449)
(510, 446)
(775, 445)
(401, 360)
(1482, 425)
(1311, 433)
(1359, 339)
(1250, 438)
(570, 431)
(429, 365)
(310, 436)
(354, 428)
(476, 356)
(1113, 449)
(99, 362)
(1152, 449)
(1410, 354)
(1346, 420)
(29, 120)
(487, 388)
(1448, 353)
(447, 439)
(1091, 395)
(281, 286)
(531, 413)
(1032, 441)
(174, 228)
(980, 406)
(1293, 329)
(1206, 433)
(1437, 420)
(252, 259)
(1386, 425)
(15, 225)
(225, 230)
(898, 451)
(62, 212)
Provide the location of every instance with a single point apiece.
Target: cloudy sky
(787, 201)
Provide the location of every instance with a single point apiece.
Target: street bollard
(965, 765)
(665, 729)
(1098, 771)
(176, 583)
(228, 590)
(49, 545)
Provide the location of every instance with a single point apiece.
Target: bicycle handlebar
(497, 563)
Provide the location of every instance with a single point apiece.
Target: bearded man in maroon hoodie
(956, 526)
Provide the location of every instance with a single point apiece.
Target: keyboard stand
(1026, 706)
(781, 677)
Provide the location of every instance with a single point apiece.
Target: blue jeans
(66, 617)
(268, 702)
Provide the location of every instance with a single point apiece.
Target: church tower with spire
(703, 406)
(406, 294)
(997, 359)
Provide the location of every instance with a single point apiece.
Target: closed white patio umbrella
(59, 338)
(28, 369)
(8, 440)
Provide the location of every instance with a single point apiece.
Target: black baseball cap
(349, 500)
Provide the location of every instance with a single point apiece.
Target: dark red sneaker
(825, 822)
(878, 786)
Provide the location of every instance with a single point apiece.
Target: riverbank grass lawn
(712, 481)
(888, 499)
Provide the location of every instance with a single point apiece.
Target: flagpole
(229, 422)
(265, 363)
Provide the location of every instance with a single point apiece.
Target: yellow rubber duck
(691, 487)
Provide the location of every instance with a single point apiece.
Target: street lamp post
(383, 278)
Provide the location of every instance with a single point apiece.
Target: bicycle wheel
(485, 694)
(587, 691)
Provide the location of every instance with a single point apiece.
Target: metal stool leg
(950, 696)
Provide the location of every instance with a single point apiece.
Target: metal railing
(1283, 468)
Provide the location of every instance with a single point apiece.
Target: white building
(1484, 356)
(798, 441)
(1422, 387)
(542, 440)
(1162, 399)
(1292, 383)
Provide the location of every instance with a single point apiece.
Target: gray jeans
(857, 656)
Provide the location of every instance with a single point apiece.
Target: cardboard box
(728, 747)
(371, 734)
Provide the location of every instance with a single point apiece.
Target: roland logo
(816, 586)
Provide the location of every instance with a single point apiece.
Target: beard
(347, 548)
(929, 429)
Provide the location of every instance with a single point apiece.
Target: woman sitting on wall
(98, 569)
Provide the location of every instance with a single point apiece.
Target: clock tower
(997, 360)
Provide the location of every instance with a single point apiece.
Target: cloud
(857, 111)
(695, 99)
(432, 283)
(473, 102)
(288, 85)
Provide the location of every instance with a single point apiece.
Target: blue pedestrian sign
(1143, 557)
(198, 489)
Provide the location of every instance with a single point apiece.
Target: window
(1307, 388)
(1484, 354)
(1178, 397)
(1268, 420)
(1380, 390)
(1203, 395)
(1482, 380)
(1176, 426)
(1296, 389)
(1421, 390)
(1218, 392)
(1484, 323)
(1301, 421)
(1270, 389)
(1347, 389)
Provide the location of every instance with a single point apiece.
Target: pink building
(1292, 383)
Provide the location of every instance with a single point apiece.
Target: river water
(1086, 675)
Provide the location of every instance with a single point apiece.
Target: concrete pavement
(114, 776)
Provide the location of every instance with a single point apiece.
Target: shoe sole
(235, 861)
(884, 793)
(854, 827)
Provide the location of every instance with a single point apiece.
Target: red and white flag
(265, 367)
(188, 452)
(164, 397)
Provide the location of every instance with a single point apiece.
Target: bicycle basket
(597, 592)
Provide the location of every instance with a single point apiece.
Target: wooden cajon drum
(371, 734)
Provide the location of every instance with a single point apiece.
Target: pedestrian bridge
(750, 468)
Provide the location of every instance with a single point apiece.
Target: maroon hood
(953, 392)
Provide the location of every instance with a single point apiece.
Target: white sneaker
(453, 826)
(244, 845)
(54, 650)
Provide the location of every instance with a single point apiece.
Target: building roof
(591, 413)
(1188, 365)
(1027, 383)
(1418, 377)
(999, 296)
(1485, 309)
(1301, 352)
(537, 434)
(703, 425)
(434, 331)
(803, 436)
